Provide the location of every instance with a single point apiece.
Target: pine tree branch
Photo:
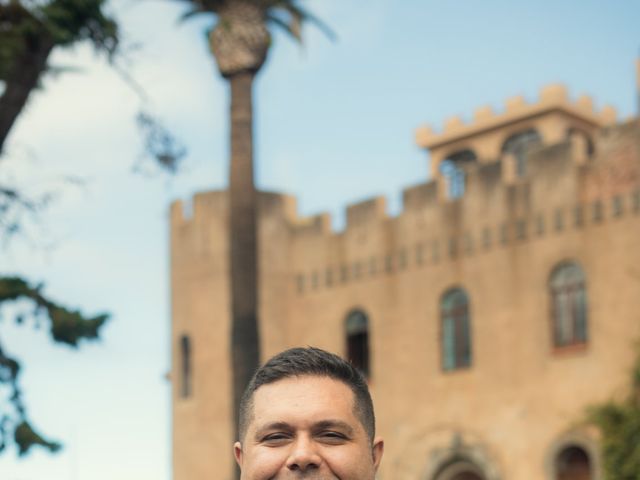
(66, 326)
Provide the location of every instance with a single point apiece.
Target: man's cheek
(266, 462)
(345, 462)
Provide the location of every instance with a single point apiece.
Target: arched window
(453, 170)
(569, 305)
(185, 366)
(357, 336)
(456, 330)
(519, 145)
(573, 463)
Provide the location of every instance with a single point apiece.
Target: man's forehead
(304, 386)
(306, 394)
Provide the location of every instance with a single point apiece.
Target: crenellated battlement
(569, 186)
(554, 117)
(319, 224)
(554, 172)
(552, 97)
(564, 193)
(205, 206)
(371, 210)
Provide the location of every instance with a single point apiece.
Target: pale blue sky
(334, 124)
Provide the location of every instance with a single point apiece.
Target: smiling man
(307, 414)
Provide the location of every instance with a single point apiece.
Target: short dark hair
(298, 362)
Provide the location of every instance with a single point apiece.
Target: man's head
(307, 414)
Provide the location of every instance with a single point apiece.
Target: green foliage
(29, 31)
(65, 326)
(619, 424)
(27, 26)
(160, 144)
(70, 21)
(25, 437)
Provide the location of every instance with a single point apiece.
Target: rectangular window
(453, 247)
(504, 233)
(578, 216)
(356, 270)
(344, 274)
(435, 253)
(402, 259)
(468, 244)
(185, 366)
(373, 267)
(521, 229)
(540, 224)
(486, 237)
(388, 263)
(559, 220)
(616, 206)
(329, 277)
(597, 211)
(636, 201)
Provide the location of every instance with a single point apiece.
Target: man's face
(305, 428)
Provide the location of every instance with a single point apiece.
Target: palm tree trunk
(245, 341)
(24, 77)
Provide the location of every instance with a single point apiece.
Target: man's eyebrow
(338, 424)
(272, 426)
(321, 425)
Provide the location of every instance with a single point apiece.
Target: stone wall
(521, 400)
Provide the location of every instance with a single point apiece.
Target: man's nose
(304, 455)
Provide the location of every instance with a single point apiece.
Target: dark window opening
(519, 146)
(573, 463)
(357, 333)
(587, 140)
(456, 330)
(185, 367)
(453, 169)
(569, 305)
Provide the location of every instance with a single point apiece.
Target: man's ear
(237, 452)
(378, 449)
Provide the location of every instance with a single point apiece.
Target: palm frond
(198, 7)
(287, 26)
(297, 17)
(189, 14)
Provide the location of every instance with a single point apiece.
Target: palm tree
(239, 42)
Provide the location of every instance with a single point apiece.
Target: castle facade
(488, 315)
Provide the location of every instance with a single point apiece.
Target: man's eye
(275, 437)
(332, 436)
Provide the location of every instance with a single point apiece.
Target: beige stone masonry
(520, 402)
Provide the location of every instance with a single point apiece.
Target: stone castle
(501, 302)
